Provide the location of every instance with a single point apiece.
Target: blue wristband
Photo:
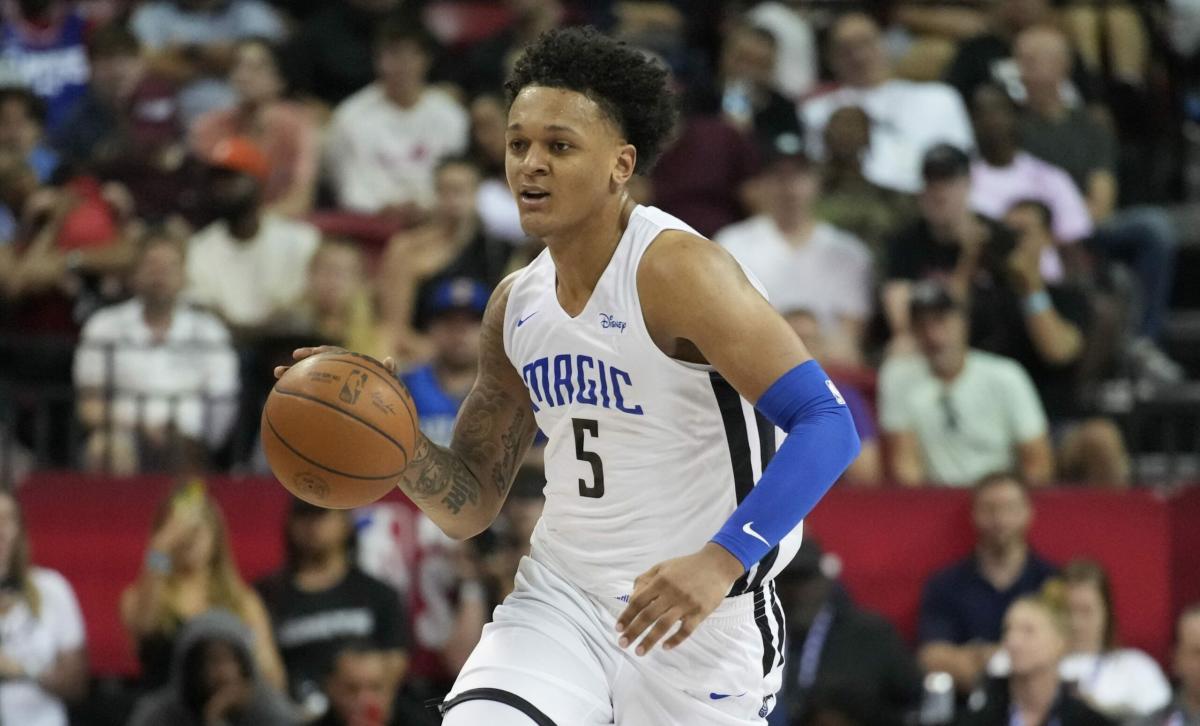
(1038, 303)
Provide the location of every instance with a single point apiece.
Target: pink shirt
(994, 190)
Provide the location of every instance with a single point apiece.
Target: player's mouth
(532, 198)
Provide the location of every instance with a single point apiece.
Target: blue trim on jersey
(821, 443)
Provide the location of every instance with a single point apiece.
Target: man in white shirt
(804, 263)
(249, 267)
(907, 118)
(386, 140)
(952, 414)
(152, 368)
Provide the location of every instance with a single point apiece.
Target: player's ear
(625, 164)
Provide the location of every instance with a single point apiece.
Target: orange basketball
(338, 430)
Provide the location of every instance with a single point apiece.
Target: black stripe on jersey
(766, 439)
(729, 402)
(764, 566)
(780, 623)
(764, 629)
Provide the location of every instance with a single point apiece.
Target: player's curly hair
(628, 85)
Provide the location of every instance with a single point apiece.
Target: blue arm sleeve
(821, 443)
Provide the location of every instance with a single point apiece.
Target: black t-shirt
(1077, 143)
(310, 627)
(989, 58)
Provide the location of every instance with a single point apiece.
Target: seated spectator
(1004, 174)
(126, 128)
(361, 689)
(494, 201)
(386, 141)
(338, 307)
(192, 42)
(151, 371)
(189, 570)
(907, 118)
(1111, 39)
(837, 650)
(43, 44)
(451, 244)
(848, 199)
(22, 133)
(953, 414)
(285, 131)
(1035, 636)
(802, 262)
(1119, 682)
(1047, 332)
(249, 265)
(43, 662)
(330, 56)
(988, 56)
(949, 242)
(1075, 141)
(320, 598)
(796, 46)
(1184, 709)
(867, 469)
(745, 86)
(963, 606)
(490, 61)
(214, 679)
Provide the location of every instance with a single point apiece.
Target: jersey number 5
(591, 426)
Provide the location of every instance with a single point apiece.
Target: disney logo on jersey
(609, 322)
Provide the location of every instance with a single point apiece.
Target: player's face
(1085, 611)
(1187, 655)
(1031, 639)
(565, 159)
(1002, 514)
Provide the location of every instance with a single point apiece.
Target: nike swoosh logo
(530, 315)
(748, 529)
(719, 696)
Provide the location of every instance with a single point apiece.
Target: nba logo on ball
(352, 388)
(309, 482)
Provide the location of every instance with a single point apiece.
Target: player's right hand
(300, 354)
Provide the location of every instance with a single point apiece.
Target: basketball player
(636, 346)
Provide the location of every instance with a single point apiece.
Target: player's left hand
(683, 591)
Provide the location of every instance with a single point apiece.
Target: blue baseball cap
(455, 294)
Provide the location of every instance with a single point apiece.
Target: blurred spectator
(386, 140)
(490, 60)
(453, 314)
(848, 199)
(1047, 330)
(1036, 637)
(1004, 174)
(494, 200)
(189, 570)
(802, 262)
(43, 44)
(907, 118)
(214, 680)
(43, 663)
(151, 370)
(361, 689)
(321, 598)
(745, 81)
(285, 131)
(21, 131)
(953, 413)
(1086, 149)
(249, 265)
(963, 606)
(950, 242)
(988, 56)
(1119, 682)
(451, 244)
(331, 55)
(338, 308)
(837, 650)
(867, 469)
(796, 63)
(1111, 39)
(192, 42)
(1184, 709)
(126, 127)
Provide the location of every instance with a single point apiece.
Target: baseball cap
(240, 154)
(930, 296)
(945, 161)
(457, 293)
(787, 147)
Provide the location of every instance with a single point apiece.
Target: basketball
(338, 430)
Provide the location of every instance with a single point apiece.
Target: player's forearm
(439, 481)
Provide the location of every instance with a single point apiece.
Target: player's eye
(516, 145)
(560, 146)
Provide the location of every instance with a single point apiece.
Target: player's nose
(535, 161)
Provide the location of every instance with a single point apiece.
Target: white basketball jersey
(647, 456)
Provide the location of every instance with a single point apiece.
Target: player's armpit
(462, 487)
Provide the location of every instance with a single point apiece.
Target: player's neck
(581, 254)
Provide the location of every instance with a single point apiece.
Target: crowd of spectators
(960, 206)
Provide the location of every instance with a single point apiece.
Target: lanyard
(814, 643)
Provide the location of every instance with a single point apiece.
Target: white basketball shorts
(551, 652)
